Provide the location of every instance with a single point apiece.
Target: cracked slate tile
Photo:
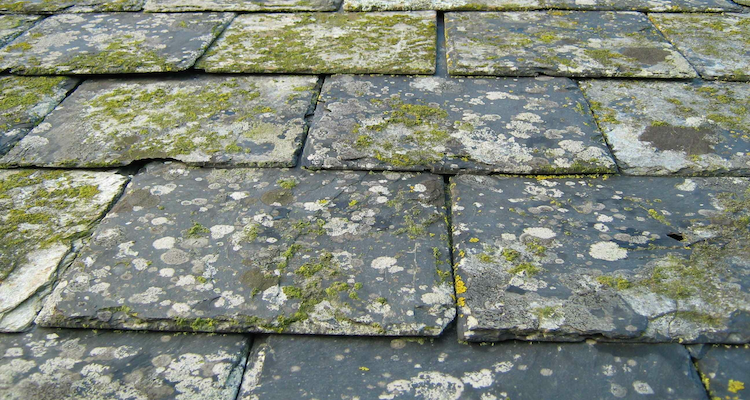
(201, 119)
(113, 43)
(241, 5)
(387, 43)
(724, 369)
(623, 259)
(13, 25)
(42, 214)
(578, 44)
(24, 101)
(718, 46)
(407, 368)
(69, 6)
(49, 364)
(526, 5)
(265, 250)
(665, 128)
(525, 125)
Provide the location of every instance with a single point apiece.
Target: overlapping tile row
(724, 369)
(13, 25)
(240, 5)
(69, 6)
(527, 5)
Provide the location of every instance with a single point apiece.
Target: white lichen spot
(687, 186)
(546, 372)
(386, 264)
(274, 297)
(478, 379)
(166, 272)
(607, 251)
(164, 243)
(219, 231)
(541, 233)
(420, 188)
(642, 387)
(151, 295)
(340, 226)
(503, 366)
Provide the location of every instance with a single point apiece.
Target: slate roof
(374, 199)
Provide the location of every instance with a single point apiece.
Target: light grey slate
(241, 5)
(69, 6)
(201, 119)
(578, 44)
(525, 5)
(666, 128)
(323, 43)
(525, 125)
(724, 370)
(113, 43)
(265, 250)
(623, 258)
(49, 364)
(13, 25)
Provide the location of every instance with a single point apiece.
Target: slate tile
(13, 25)
(265, 250)
(49, 364)
(113, 43)
(624, 258)
(725, 370)
(525, 5)
(667, 128)
(322, 43)
(24, 101)
(69, 6)
(525, 125)
(201, 119)
(241, 5)
(718, 46)
(578, 44)
(42, 214)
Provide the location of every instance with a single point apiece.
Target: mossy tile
(674, 128)
(13, 25)
(443, 5)
(69, 6)
(526, 125)
(201, 119)
(724, 370)
(526, 5)
(657, 259)
(577, 44)
(318, 43)
(241, 5)
(69, 44)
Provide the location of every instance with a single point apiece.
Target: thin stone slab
(265, 250)
(527, 5)
(725, 370)
(51, 364)
(24, 101)
(241, 5)
(666, 128)
(718, 46)
(525, 125)
(13, 25)
(42, 214)
(578, 44)
(69, 6)
(622, 259)
(113, 43)
(202, 120)
(318, 43)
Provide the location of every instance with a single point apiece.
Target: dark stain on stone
(256, 279)
(646, 55)
(140, 197)
(679, 138)
(280, 196)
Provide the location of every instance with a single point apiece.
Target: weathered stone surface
(265, 250)
(725, 370)
(69, 6)
(664, 128)
(43, 213)
(579, 44)
(113, 43)
(388, 43)
(718, 46)
(520, 5)
(214, 120)
(51, 364)
(241, 5)
(13, 25)
(525, 125)
(24, 101)
(626, 258)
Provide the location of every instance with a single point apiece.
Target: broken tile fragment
(69, 6)
(43, 214)
(578, 44)
(525, 125)
(241, 5)
(724, 369)
(265, 250)
(113, 43)
(718, 46)
(13, 25)
(202, 119)
(666, 128)
(624, 258)
(318, 43)
(525, 5)
(49, 364)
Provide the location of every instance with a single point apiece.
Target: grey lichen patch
(578, 44)
(667, 128)
(51, 364)
(244, 250)
(241, 5)
(525, 5)
(42, 214)
(69, 6)
(389, 43)
(522, 125)
(718, 46)
(113, 43)
(13, 25)
(618, 258)
(724, 370)
(204, 120)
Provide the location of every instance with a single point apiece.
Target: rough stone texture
(69, 6)
(113, 43)
(664, 128)
(13, 25)
(43, 213)
(725, 370)
(639, 259)
(241, 5)
(522, 125)
(718, 46)
(579, 44)
(388, 43)
(265, 250)
(66, 364)
(24, 101)
(521, 5)
(214, 120)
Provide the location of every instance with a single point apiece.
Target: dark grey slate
(69, 6)
(525, 5)
(13, 25)
(241, 5)
(724, 370)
